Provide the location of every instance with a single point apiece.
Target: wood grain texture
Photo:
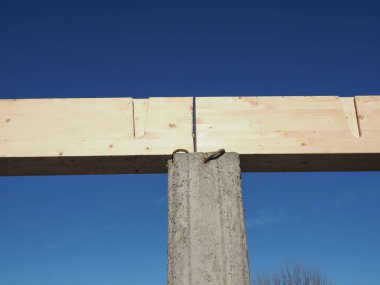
(295, 133)
(97, 135)
(125, 135)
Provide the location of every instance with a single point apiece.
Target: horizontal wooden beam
(295, 133)
(125, 135)
(92, 136)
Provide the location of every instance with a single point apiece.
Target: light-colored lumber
(295, 133)
(349, 108)
(140, 110)
(97, 135)
(125, 135)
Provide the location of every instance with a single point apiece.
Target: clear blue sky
(112, 230)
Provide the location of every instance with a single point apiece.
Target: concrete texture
(207, 238)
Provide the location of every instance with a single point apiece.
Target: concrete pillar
(207, 239)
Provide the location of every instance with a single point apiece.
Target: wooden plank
(349, 108)
(140, 110)
(90, 136)
(125, 135)
(296, 133)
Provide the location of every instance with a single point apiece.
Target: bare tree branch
(293, 275)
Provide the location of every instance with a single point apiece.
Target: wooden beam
(92, 136)
(125, 135)
(300, 133)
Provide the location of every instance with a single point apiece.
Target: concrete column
(207, 239)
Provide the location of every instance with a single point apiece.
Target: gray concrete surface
(207, 238)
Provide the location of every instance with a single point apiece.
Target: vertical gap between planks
(194, 108)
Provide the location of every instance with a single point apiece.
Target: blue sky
(112, 229)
